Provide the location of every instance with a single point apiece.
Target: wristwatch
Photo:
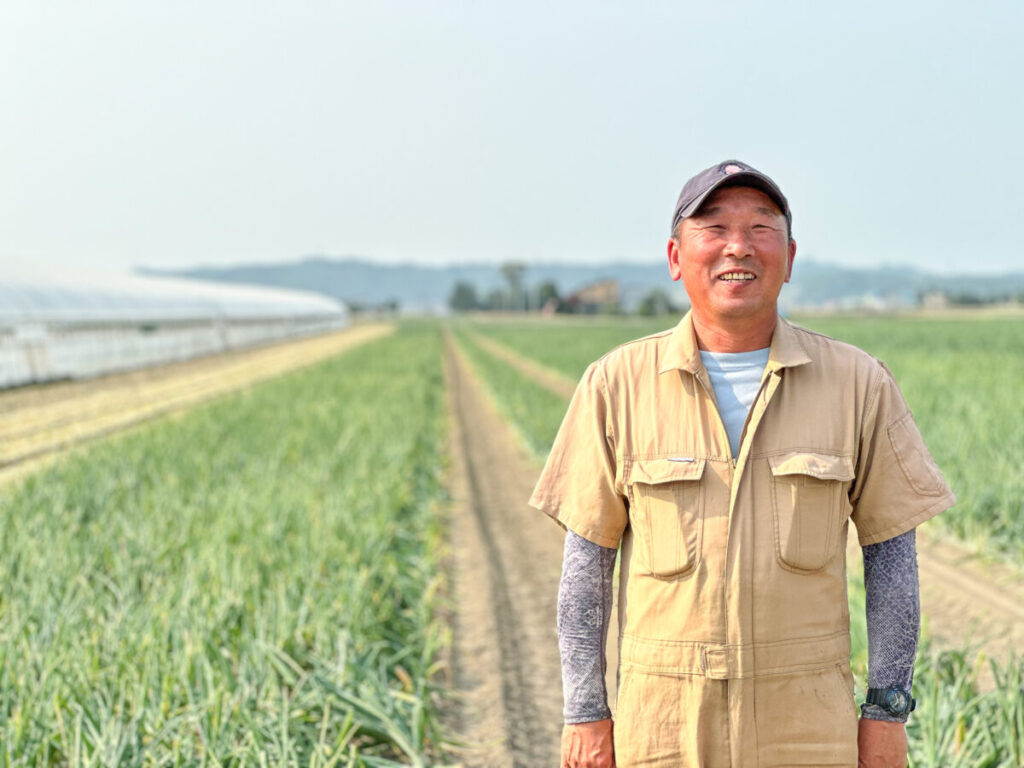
(895, 701)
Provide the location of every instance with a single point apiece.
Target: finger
(574, 750)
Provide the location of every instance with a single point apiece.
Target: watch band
(895, 701)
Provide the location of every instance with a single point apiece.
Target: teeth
(736, 276)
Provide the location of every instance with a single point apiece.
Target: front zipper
(721, 423)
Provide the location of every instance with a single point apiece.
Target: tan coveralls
(734, 621)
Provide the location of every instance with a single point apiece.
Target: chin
(739, 311)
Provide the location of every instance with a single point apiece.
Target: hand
(881, 744)
(588, 745)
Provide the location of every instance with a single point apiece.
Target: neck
(735, 334)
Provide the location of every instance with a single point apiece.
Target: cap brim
(738, 179)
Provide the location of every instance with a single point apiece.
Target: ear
(675, 266)
(792, 255)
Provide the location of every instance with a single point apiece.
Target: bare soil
(507, 564)
(968, 600)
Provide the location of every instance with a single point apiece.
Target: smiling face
(733, 256)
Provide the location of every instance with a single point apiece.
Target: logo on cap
(732, 169)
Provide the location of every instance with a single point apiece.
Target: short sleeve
(898, 485)
(578, 486)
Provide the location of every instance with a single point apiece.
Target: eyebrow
(715, 209)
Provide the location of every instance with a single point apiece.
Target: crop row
(253, 583)
(960, 724)
(534, 411)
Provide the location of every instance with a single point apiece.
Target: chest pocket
(667, 514)
(809, 504)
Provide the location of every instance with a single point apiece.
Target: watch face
(897, 702)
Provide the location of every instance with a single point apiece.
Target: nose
(739, 244)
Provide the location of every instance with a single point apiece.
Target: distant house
(602, 296)
(935, 300)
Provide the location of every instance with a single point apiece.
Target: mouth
(736, 277)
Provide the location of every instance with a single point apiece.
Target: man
(726, 458)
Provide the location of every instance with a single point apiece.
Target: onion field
(263, 579)
(253, 583)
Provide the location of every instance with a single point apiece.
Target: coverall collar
(786, 351)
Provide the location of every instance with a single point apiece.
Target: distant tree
(656, 302)
(463, 298)
(496, 299)
(513, 273)
(548, 292)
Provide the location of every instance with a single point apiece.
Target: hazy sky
(179, 133)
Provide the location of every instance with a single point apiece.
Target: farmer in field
(726, 458)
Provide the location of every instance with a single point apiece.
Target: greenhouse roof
(95, 297)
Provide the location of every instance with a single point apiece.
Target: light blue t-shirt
(736, 379)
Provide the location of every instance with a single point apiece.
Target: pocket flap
(823, 466)
(666, 470)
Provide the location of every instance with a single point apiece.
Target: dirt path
(964, 600)
(553, 381)
(507, 562)
(37, 423)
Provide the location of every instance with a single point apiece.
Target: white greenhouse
(72, 327)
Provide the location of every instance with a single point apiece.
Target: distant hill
(427, 288)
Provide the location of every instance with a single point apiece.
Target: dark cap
(731, 173)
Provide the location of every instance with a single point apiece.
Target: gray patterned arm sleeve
(892, 605)
(584, 609)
